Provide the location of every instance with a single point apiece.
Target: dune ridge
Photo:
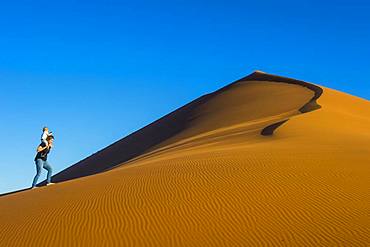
(216, 180)
(309, 106)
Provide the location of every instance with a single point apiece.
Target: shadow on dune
(133, 145)
(13, 192)
(155, 133)
(269, 130)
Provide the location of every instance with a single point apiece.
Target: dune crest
(207, 175)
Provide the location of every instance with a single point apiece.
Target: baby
(45, 134)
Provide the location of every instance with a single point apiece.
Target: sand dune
(264, 161)
(245, 96)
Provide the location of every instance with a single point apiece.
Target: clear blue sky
(95, 71)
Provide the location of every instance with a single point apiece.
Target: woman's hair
(43, 129)
(50, 138)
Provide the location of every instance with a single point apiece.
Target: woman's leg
(38, 163)
(48, 168)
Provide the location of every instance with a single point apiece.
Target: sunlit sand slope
(218, 178)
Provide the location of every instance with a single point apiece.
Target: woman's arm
(40, 148)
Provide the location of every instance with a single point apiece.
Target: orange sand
(216, 180)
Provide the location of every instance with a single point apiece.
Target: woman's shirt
(43, 154)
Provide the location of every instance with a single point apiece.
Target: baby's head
(45, 129)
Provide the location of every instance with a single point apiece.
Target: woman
(41, 160)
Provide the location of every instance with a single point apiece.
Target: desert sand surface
(264, 161)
